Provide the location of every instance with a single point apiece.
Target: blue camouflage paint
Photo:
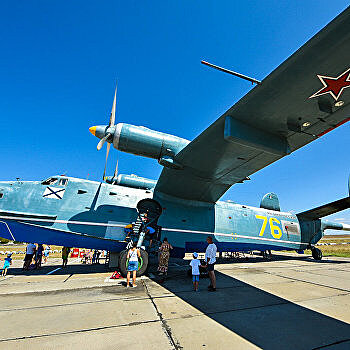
(93, 215)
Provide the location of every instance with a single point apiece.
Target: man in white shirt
(30, 251)
(210, 259)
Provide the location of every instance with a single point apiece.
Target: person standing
(46, 253)
(164, 256)
(210, 259)
(65, 253)
(90, 256)
(7, 263)
(30, 251)
(133, 264)
(98, 253)
(39, 255)
(94, 257)
(195, 263)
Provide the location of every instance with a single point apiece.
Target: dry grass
(21, 248)
(342, 250)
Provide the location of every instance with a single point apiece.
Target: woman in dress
(164, 256)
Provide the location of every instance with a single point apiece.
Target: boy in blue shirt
(195, 264)
(7, 263)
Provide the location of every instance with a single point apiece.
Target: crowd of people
(34, 256)
(92, 256)
(39, 254)
(134, 254)
(35, 253)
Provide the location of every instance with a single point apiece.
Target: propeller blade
(116, 170)
(112, 118)
(104, 173)
(102, 141)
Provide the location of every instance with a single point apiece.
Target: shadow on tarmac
(262, 318)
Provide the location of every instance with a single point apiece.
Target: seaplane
(303, 99)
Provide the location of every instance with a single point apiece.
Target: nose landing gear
(148, 213)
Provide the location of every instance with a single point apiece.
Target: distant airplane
(300, 101)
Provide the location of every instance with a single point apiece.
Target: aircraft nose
(98, 130)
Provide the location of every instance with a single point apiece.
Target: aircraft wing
(301, 100)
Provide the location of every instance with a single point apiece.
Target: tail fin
(326, 209)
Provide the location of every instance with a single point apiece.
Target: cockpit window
(50, 181)
(1, 195)
(63, 182)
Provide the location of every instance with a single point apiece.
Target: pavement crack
(78, 331)
(167, 329)
(126, 299)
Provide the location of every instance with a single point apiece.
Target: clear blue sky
(59, 62)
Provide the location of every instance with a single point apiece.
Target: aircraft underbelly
(29, 232)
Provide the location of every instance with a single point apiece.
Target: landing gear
(143, 263)
(149, 211)
(316, 253)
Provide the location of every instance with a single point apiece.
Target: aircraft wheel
(121, 257)
(316, 254)
(143, 263)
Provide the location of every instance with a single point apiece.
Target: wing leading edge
(287, 111)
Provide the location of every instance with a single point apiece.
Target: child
(195, 263)
(7, 263)
(133, 264)
(46, 253)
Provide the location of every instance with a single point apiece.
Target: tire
(143, 263)
(317, 254)
(121, 258)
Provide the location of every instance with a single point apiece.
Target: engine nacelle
(133, 181)
(148, 143)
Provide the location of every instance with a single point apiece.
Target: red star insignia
(333, 86)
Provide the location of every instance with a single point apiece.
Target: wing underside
(301, 100)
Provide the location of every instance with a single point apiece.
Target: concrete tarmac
(290, 302)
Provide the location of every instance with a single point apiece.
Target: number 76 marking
(273, 227)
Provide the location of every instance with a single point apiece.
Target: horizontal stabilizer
(326, 209)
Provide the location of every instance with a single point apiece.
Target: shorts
(28, 257)
(210, 267)
(133, 265)
(6, 265)
(195, 278)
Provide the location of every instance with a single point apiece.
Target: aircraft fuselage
(89, 214)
